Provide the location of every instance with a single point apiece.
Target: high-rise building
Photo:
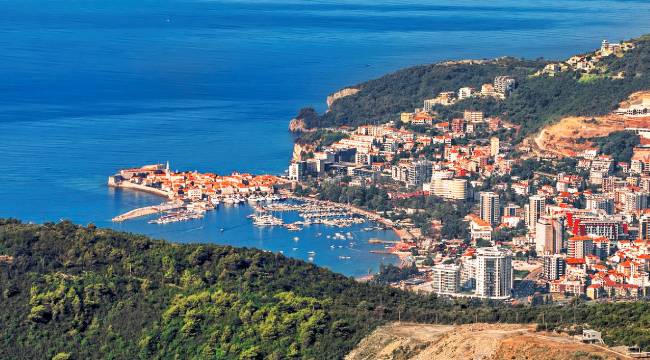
(490, 210)
(494, 146)
(549, 235)
(446, 279)
(554, 266)
(604, 202)
(544, 235)
(430, 103)
(468, 273)
(644, 183)
(456, 189)
(611, 229)
(419, 172)
(362, 158)
(644, 228)
(635, 202)
(580, 246)
(493, 273)
(297, 170)
(536, 208)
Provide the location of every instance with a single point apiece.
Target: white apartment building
(451, 189)
(465, 93)
(489, 207)
(494, 274)
(549, 235)
(536, 208)
(446, 279)
(504, 85)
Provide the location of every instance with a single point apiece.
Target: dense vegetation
(536, 102)
(384, 98)
(391, 273)
(80, 292)
(620, 145)
(320, 137)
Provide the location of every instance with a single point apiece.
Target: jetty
(148, 210)
(380, 241)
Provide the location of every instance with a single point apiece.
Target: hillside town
(478, 214)
(534, 228)
(589, 63)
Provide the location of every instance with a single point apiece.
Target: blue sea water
(88, 87)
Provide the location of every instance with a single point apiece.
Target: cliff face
(340, 94)
(475, 341)
(308, 119)
(297, 125)
(299, 150)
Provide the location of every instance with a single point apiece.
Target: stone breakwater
(138, 187)
(149, 210)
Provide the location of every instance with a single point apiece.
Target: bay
(89, 87)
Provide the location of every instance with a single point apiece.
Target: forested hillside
(384, 98)
(73, 292)
(536, 102)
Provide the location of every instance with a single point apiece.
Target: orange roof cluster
(478, 220)
(575, 261)
(580, 238)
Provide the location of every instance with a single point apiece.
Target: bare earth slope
(475, 341)
(568, 136)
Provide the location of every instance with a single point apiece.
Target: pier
(311, 211)
(147, 210)
(380, 241)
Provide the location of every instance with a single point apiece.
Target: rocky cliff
(299, 150)
(340, 94)
(297, 125)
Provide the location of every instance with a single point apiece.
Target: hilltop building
(504, 85)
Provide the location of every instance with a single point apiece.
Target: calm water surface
(88, 87)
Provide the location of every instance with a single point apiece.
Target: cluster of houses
(585, 232)
(371, 152)
(500, 88)
(600, 166)
(589, 236)
(194, 186)
(588, 63)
